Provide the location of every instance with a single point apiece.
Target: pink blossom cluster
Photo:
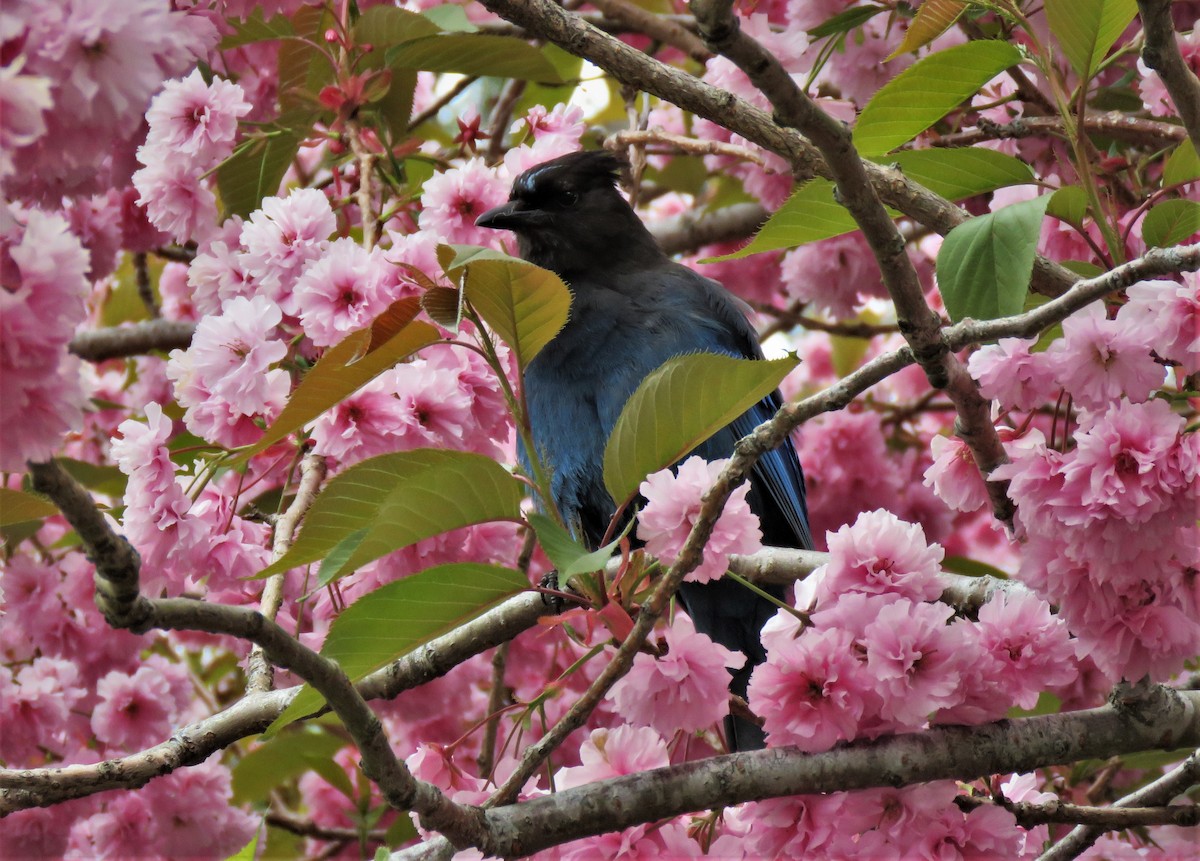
(672, 507)
(225, 380)
(911, 822)
(193, 127)
(1100, 360)
(199, 543)
(43, 284)
(98, 62)
(1110, 527)
(445, 398)
(882, 654)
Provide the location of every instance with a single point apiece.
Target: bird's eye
(568, 198)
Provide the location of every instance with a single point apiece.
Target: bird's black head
(569, 216)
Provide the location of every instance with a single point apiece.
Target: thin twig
(260, 674)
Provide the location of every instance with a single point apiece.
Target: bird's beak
(506, 216)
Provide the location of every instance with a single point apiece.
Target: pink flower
(218, 273)
(954, 475)
(612, 752)
(915, 658)
(848, 469)
(812, 691)
(1009, 373)
(23, 100)
(686, 689)
(1098, 360)
(1017, 650)
(673, 506)
(134, 709)
(1129, 465)
(177, 201)
(196, 119)
(43, 282)
(361, 426)
(453, 199)
(36, 707)
(1166, 316)
(342, 291)
(880, 554)
(282, 237)
(223, 379)
(835, 275)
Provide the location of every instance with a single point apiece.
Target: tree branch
(132, 339)
(1169, 720)
(1161, 53)
(1155, 794)
(1134, 130)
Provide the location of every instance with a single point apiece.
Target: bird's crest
(578, 171)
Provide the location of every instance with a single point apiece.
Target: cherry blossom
(672, 507)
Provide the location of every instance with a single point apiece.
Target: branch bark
(1171, 719)
(134, 339)
(1161, 53)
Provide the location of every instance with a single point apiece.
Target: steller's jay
(632, 309)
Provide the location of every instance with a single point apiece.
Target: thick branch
(134, 339)
(940, 753)
(1161, 53)
(686, 232)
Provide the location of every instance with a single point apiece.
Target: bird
(632, 309)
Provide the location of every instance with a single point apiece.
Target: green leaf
(382, 26)
(933, 18)
(524, 304)
(108, 480)
(684, 402)
(846, 21)
(256, 170)
(984, 264)
(248, 852)
(395, 107)
(1171, 222)
(1086, 29)
(1182, 166)
(812, 213)
(453, 258)
(302, 68)
(567, 555)
(972, 567)
(399, 499)
(928, 90)
(255, 29)
(475, 54)
(280, 760)
(19, 507)
(400, 616)
(451, 17)
(349, 365)
(1069, 204)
